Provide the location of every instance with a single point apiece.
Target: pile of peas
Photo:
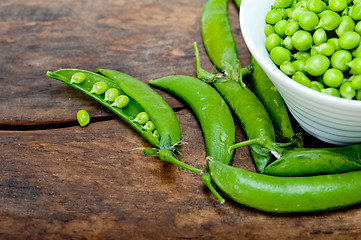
(120, 101)
(317, 43)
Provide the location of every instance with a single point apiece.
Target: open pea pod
(144, 109)
(314, 161)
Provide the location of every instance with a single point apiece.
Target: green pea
(291, 28)
(141, 118)
(315, 6)
(358, 95)
(287, 43)
(288, 12)
(284, 3)
(356, 82)
(334, 41)
(326, 49)
(308, 20)
(297, 12)
(340, 60)
(355, 66)
(111, 94)
(121, 101)
(301, 78)
(156, 134)
(83, 118)
(268, 30)
(273, 16)
(299, 65)
(149, 126)
(317, 65)
(346, 24)
(302, 40)
(358, 27)
(279, 55)
(333, 78)
(331, 91)
(346, 90)
(337, 5)
(355, 12)
(287, 68)
(356, 52)
(99, 87)
(301, 55)
(280, 28)
(319, 36)
(316, 85)
(349, 40)
(329, 20)
(273, 41)
(77, 78)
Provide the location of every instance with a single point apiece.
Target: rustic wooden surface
(61, 181)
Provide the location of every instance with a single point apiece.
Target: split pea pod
(212, 112)
(287, 194)
(314, 161)
(135, 106)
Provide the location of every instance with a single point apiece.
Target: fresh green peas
(156, 134)
(356, 82)
(299, 65)
(319, 36)
(326, 49)
(301, 55)
(349, 40)
(287, 43)
(335, 42)
(121, 101)
(355, 12)
(280, 55)
(358, 95)
(316, 6)
(302, 40)
(111, 94)
(356, 52)
(340, 60)
(347, 91)
(317, 65)
(149, 126)
(291, 28)
(287, 68)
(297, 12)
(316, 85)
(141, 118)
(329, 20)
(280, 28)
(273, 41)
(333, 77)
(331, 91)
(77, 78)
(274, 16)
(337, 5)
(358, 27)
(308, 20)
(284, 3)
(346, 24)
(99, 87)
(301, 78)
(268, 30)
(355, 66)
(83, 118)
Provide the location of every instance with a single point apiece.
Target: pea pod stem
(168, 156)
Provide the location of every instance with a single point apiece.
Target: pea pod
(287, 194)
(142, 101)
(313, 161)
(213, 114)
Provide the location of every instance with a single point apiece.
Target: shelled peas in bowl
(317, 44)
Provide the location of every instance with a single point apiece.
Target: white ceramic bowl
(330, 119)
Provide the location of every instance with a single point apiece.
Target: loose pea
(334, 41)
(319, 36)
(349, 40)
(346, 24)
(315, 6)
(355, 66)
(268, 30)
(83, 118)
(326, 49)
(337, 5)
(340, 60)
(141, 118)
(287, 68)
(333, 77)
(356, 82)
(356, 52)
(99, 87)
(301, 78)
(287, 43)
(273, 16)
(347, 91)
(284, 3)
(291, 28)
(297, 12)
(331, 91)
(273, 41)
(358, 95)
(329, 20)
(316, 85)
(358, 27)
(355, 12)
(302, 40)
(111, 94)
(77, 78)
(121, 101)
(308, 20)
(149, 126)
(280, 55)
(301, 55)
(299, 65)
(317, 65)
(280, 28)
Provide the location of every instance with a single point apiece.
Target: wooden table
(61, 181)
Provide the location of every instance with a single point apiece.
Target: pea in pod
(213, 114)
(287, 194)
(142, 100)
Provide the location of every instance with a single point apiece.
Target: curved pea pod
(212, 112)
(272, 100)
(142, 100)
(313, 161)
(287, 194)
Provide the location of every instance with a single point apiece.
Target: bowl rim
(268, 66)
